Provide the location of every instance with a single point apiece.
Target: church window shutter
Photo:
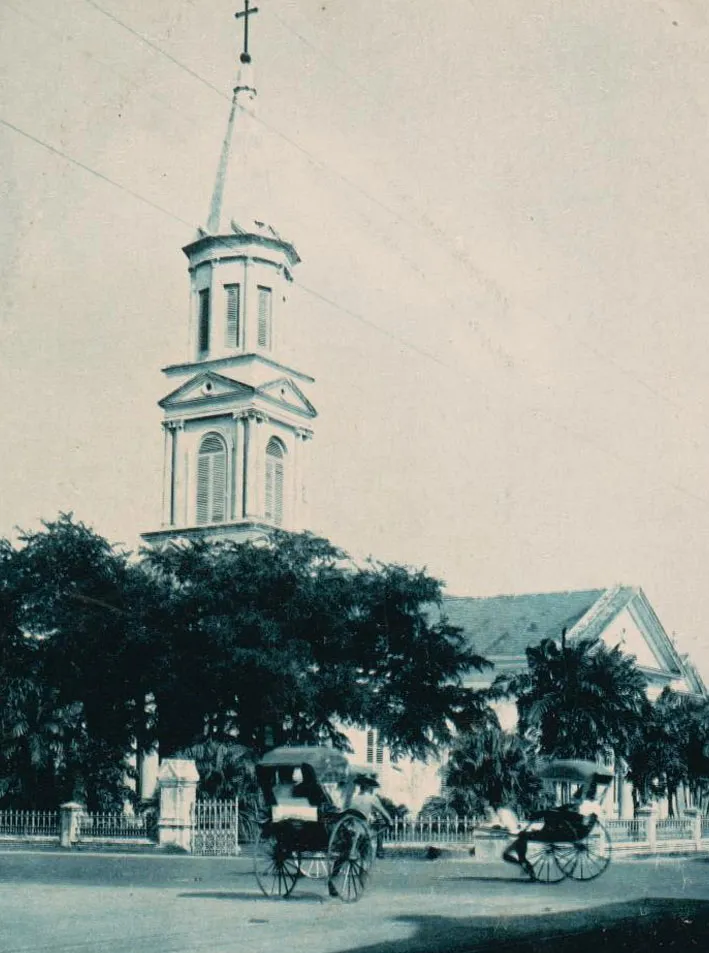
(269, 490)
(203, 467)
(375, 747)
(211, 480)
(203, 334)
(233, 315)
(278, 493)
(218, 487)
(273, 509)
(264, 317)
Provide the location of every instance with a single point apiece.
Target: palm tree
(672, 749)
(492, 768)
(228, 770)
(580, 700)
(39, 742)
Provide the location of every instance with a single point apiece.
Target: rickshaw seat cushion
(560, 823)
(296, 809)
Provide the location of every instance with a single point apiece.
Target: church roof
(506, 625)
(501, 628)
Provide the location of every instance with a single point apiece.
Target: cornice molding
(234, 361)
(168, 533)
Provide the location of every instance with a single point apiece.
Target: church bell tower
(236, 421)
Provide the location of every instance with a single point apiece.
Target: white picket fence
(104, 828)
(37, 825)
(641, 835)
(111, 827)
(215, 831)
(433, 829)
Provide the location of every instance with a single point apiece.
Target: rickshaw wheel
(349, 858)
(588, 857)
(542, 863)
(276, 865)
(544, 857)
(314, 866)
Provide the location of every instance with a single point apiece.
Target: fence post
(648, 815)
(178, 779)
(694, 815)
(69, 818)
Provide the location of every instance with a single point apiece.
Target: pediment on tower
(207, 387)
(287, 395)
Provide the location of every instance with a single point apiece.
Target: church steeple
(240, 197)
(242, 105)
(237, 419)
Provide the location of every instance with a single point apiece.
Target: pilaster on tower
(237, 421)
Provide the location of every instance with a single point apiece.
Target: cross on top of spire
(246, 13)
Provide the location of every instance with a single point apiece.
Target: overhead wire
(490, 284)
(535, 412)
(131, 84)
(99, 175)
(602, 356)
(403, 220)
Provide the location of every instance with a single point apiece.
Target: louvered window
(211, 480)
(274, 481)
(233, 315)
(203, 337)
(264, 317)
(375, 748)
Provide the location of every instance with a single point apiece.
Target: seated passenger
(569, 821)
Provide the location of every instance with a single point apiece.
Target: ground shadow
(239, 895)
(641, 925)
(520, 880)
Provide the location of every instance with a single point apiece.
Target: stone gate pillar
(70, 816)
(177, 780)
(649, 815)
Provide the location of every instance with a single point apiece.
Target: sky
(501, 210)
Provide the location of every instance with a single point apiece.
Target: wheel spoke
(314, 866)
(542, 861)
(350, 857)
(591, 855)
(276, 866)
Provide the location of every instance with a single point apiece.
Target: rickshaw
(569, 840)
(317, 823)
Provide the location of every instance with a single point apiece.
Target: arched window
(211, 480)
(275, 453)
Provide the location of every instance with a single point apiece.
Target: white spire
(241, 196)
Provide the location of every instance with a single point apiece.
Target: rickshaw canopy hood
(575, 770)
(322, 760)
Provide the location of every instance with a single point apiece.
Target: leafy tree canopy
(67, 717)
(288, 641)
(580, 700)
(489, 769)
(672, 749)
(283, 641)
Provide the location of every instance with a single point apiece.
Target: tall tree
(288, 641)
(582, 699)
(671, 750)
(72, 596)
(198, 643)
(492, 768)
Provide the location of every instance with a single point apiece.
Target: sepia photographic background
(502, 213)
